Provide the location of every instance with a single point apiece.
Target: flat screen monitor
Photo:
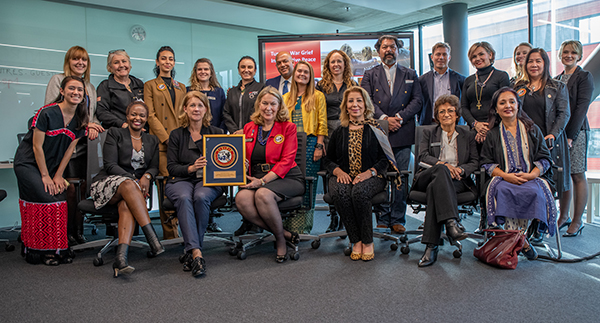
(313, 49)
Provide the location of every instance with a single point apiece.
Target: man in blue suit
(285, 67)
(396, 95)
(439, 81)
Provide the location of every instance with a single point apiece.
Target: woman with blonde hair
(271, 147)
(519, 55)
(355, 181)
(185, 163)
(307, 107)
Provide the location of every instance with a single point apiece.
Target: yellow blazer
(163, 117)
(315, 121)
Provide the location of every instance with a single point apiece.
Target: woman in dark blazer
(163, 95)
(478, 88)
(185, 163)
(130, 163)
(118, 90)
(239, 105)
(355, 181)
(580, 84)
(546, 102)
(271, 146)
(451, 160)
(514, 155)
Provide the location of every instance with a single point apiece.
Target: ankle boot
(120, 266)
(156, 248)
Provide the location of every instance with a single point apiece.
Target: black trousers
(442, 205)
(353, 203)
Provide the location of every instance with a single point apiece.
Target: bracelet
(319, 146)
(262, 182)
(474, 124)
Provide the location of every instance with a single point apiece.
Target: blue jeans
(398, 209)
(193, 209)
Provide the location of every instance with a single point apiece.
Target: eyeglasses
(115, 50)
(447, 111)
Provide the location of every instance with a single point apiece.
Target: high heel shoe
(566, 224)
(279, 259)
(294, 238)
(529, 251)
(156, 248)
(368, 256)
(120, 266)
(574, 234)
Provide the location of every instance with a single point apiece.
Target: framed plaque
(225, 160)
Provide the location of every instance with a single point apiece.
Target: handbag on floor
(502, 249)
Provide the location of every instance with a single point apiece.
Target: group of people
(157, 128)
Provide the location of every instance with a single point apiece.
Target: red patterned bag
(502, 249)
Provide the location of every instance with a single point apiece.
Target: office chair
(109, 214)
(467, 201)
(8, 246)
(385, 197)
(286, 207)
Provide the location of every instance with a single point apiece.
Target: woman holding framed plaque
(185, 163)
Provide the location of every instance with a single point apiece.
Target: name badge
(436, 144)
(212, 98)
(409, 81)
(249, 139)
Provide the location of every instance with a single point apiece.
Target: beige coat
(163, 117)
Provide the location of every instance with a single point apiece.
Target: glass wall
(555, 21)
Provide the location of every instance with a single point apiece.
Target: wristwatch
(319, 146)
(373, 172)
(148, 176)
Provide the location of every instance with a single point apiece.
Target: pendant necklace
(480, 94)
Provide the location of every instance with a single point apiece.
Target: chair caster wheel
(9, 247)
(457, 253)
(315, 244)
(403, 238)
(233, 251)
(241, 255)
(394, 246)
(347, 252)
(98, 262)
(405, 250)
(294, 256)
(343, 237)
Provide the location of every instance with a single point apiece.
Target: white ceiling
(292, 16)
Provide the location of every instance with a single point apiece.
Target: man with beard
(439, 81)
(285, 67)
(396, 95)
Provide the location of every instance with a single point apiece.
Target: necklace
(261, 139)
(478, 97)
(136, 138)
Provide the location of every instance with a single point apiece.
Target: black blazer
(492, 153)
(456, 84)
(468, 157)
(182, 152)
(114, 99)
(117, 155)
(372, 153)
(580, 87)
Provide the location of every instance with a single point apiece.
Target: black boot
(156, 248)
(120, 266)
(79, 237)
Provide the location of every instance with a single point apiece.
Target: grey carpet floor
(322, 286)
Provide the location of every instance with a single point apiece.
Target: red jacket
(281, 147)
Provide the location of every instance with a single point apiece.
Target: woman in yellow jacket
(163, 96)
(308, 109)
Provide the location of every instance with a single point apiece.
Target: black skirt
(290, 186)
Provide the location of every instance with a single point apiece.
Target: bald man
(285, 67)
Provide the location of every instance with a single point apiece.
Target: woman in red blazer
(271, 146)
